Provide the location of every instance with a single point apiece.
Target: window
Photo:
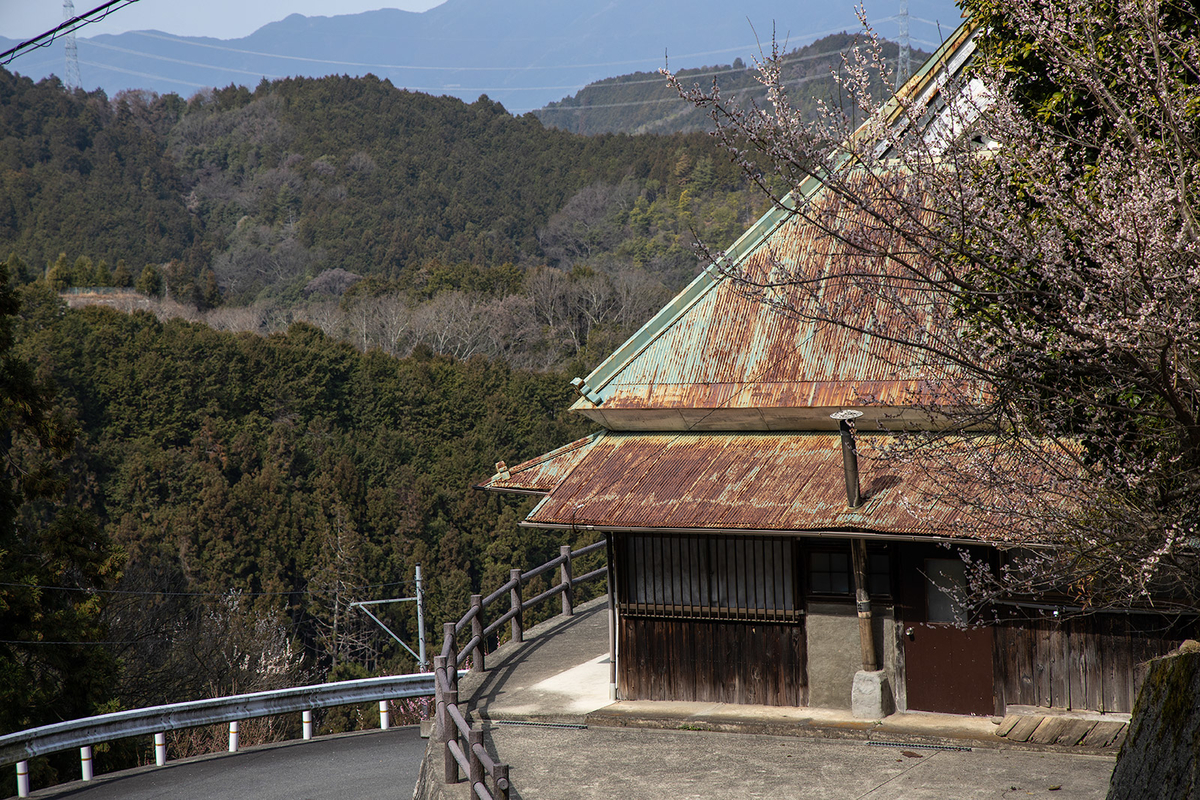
(829, 573)
(707, 577)
(879, 574)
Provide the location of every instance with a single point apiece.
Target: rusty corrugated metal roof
(750, 482)
(714, 348)
(540, 475)
(731, 351)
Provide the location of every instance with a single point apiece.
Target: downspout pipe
(845, 420)
(858, 546)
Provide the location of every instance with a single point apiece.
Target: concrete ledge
(947, 730)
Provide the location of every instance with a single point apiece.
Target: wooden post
(477, 631)
(451, 656)
(439, 701)
(500, 781)
(514, 600)
(475, 738)
(568, 594)
(866, 636)
(612, 618)
(449, 762)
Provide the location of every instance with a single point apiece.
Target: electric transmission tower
(72, 79)
(904, 68)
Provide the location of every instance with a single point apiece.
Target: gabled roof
(717, 359)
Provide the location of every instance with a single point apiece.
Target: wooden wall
(710, 660)
(1094, 662)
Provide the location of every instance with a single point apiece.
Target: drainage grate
(529, 724)
(907, 746)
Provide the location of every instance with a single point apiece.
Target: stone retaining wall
(1160, 755)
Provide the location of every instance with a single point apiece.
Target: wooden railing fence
(451, 727)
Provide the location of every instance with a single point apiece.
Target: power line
(427, 68)
(155, 56)
(227, 593)
(421, 67)
(67, 27)
(137, 74)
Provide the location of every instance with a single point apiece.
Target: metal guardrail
(83, 733)
(451, 726)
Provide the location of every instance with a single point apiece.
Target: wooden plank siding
(716, 661)
(1093, 662)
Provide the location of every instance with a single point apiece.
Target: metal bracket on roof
(587, 392)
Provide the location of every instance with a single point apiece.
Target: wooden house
(742, 571)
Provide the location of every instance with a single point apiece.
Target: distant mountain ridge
(522, 53)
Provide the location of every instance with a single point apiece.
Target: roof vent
(845, 419)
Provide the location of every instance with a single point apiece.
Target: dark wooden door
(947, 667)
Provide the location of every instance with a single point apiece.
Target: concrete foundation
(870, 697)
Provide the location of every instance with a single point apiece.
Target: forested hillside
(642, 102)
(228, 495)
(463, 228)
(268, 188)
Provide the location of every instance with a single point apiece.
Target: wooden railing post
(477, 664)
(514, 599)
(475, 737)
(568, 593)
(451, 655)
(439, 701)
(449, 761)
(500, 780)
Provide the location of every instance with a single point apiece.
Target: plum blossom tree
(1027, 224)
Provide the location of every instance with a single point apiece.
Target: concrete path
(546, 706)
(379, 765)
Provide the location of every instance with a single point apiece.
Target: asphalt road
(379, 765)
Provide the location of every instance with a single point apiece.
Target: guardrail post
(85, 762)
(22, 779)
(500, 781)
(384, 719)
(568, 593)
(233, 737)
(451, 655)
(475, 737)
(450, 762)
(439, 701)
(477, 631)
(514, 600)
(160, 749)
(306, 724)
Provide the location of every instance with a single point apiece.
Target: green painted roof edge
(701, 285)
(590, 388)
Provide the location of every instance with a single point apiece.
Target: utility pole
(422, 662)
(72, 80)
(904, 67)
(419, 598)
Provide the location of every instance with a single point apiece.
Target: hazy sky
(223, 19)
